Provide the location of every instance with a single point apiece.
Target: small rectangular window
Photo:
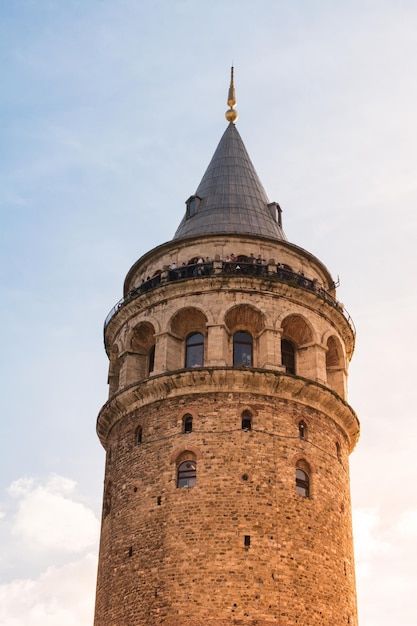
(247, 541)
(192, 205)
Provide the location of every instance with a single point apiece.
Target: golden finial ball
(231, 115)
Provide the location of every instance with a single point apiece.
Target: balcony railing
(224, 268)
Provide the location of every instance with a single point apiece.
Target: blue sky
(110, 112)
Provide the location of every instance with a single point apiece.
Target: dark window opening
(288, 356)
(187, 474)
(247, 541)
(194, 350)
(246, 421)
(302, 483)
(130, 551)
(151, 362)
(192, 205)
(188, 424)
(159, 500)
(139, 435)
(242, 348)
(302, 430)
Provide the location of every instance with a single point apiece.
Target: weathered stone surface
(177, 556)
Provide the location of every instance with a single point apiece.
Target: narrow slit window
(302, 483)
(246, 421)
(151, 360)
(188, 424)
(139, 435)
(302, 430)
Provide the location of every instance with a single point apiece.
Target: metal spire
(231, 114)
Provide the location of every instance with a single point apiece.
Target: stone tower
(227, 430)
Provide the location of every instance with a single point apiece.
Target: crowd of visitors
(241, 264)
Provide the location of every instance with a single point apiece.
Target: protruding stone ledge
(226, 380)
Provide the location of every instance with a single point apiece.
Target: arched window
(188, 423)
(194, 350)
(187, 474)
(151, 359)
(302, 483)
(246, 420)
(302, 430)
(242, 348)
(288, 356)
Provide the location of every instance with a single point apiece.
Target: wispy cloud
(61, 596)
(48, 519)
(45, 521)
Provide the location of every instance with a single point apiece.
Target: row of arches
(243, 340)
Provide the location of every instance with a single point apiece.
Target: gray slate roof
(233, 199)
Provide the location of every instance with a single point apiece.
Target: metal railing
(225, 268)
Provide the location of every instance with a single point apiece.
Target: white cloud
(46, 523)
(48, 518)
(385, 546)
(60, 596)
(366, 523)
(407, 524)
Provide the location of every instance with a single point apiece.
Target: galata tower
(227, 429)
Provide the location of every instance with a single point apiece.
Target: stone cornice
(226, 380)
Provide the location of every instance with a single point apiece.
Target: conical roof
(230, 197)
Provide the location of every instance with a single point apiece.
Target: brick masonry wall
(176, 556)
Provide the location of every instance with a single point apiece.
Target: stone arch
(244, 317)
(296, 328)
(180, 453)
(299, 460)
(334, 354)
(297, 337)
(186, 321)
(335, 365)
(184, 455)
(183, 324)
(140, 352)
